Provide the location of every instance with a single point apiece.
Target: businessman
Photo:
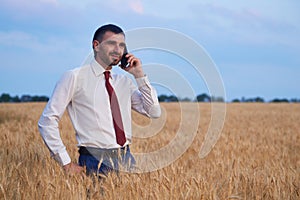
(99, 104)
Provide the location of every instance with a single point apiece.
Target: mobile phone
(124, 60)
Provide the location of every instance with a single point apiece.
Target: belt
(99, 152)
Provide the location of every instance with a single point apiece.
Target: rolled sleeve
(145, 101)
(62, 158)
(142, 81)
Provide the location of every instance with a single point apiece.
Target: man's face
(110, 50)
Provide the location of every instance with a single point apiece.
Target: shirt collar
(97, 68)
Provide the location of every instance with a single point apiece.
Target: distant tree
(162, 98)
(243, 99)
(255, 99)
(15, 99)
(236, 101)
(26, 98)
(44, 98)
(259, 99)
(165, 98)
(5, 98)
(217, 99)
(172, 98)
(186, 99)
(249, 100)
(294, 100)
(39, 98)
(280, 100)
(203, 98)
(35, 98)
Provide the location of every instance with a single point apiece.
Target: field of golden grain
(256, 157)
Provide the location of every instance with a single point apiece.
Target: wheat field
(256, 157)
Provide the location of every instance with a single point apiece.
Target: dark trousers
(103, 161)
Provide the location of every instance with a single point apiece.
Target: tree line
(162, 98)
(207, 98)
(24, 98)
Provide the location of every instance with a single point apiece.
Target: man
(92, 96)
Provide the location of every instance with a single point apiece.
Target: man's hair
(103, 29)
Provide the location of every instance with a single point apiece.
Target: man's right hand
(73, 168)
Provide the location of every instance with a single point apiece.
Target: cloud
(243, 25)
(19, 39)
(136, 6)
(54, 2)
(247, 23)
(28, 7)
(22, 41)
(121, 6)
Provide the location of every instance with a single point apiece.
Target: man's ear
(96, 45)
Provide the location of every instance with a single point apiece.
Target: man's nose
(117, 48)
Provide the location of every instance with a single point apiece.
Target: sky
(254, 45)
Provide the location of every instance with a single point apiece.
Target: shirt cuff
(142, 81)
(63, 158)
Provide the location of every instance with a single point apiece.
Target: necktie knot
(107, 75)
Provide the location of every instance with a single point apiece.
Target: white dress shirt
(83, 93)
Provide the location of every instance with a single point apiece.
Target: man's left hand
(135, 67)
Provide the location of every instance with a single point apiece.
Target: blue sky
(255, 45)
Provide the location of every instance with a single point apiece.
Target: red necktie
(115, 110)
